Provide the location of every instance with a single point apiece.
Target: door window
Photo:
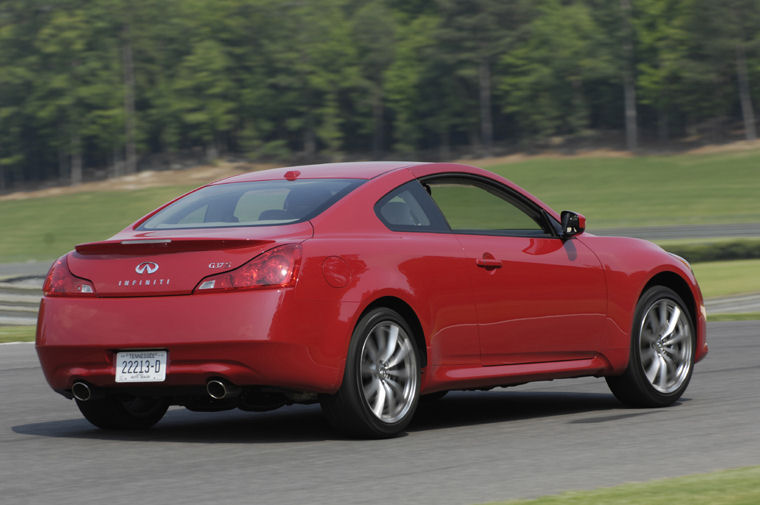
(479, 207)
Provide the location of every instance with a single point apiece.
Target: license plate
(141, 366)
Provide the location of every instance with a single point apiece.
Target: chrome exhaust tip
(81, 391)
(217, 389)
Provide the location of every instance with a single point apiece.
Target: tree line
(107, 84)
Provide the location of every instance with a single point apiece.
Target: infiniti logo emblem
(146, 267)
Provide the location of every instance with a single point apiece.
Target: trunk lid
(173, 262)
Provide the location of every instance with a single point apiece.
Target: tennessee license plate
(141, 366)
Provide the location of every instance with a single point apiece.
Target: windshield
(260, 203)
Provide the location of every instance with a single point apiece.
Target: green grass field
(723, 278)
(45, 228)
(625, 191)
(16, 334)
(750, 316)
(729, 487)
(647, 190)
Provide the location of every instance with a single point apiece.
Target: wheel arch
(677, 283)
(409, 315)
(633, 387)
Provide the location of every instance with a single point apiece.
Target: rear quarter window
(409, 208)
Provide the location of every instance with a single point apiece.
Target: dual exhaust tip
(217, 389)
(81, 391)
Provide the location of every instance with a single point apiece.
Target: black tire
(381, 383)
(123, 412)
(662, 351)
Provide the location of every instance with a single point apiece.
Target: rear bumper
(253, 338)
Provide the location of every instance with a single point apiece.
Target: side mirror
(572, 224)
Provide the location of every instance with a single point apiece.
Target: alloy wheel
(388, 372)
(665, 345)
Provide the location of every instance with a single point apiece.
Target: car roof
(348, 170)
(366, 170)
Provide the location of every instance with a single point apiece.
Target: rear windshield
(260, 203)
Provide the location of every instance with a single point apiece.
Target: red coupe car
(362, 286)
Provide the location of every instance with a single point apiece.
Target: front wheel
(123, 412)
(662, 351)
(381, 383)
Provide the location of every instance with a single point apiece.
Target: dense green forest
(104, 87)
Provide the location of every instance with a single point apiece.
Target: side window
(474, 206)
(408, 208)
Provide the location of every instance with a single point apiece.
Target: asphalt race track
(467, 448)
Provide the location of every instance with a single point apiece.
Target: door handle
(488, 262)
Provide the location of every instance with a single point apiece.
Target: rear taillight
(276, 268)
(61, 282)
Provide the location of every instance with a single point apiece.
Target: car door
(437, 271)
(538, 298)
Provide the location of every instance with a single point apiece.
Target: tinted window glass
(474, 206)
(260, 203)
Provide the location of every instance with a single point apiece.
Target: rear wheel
(381, 383)
(662, 352)
(123, 412)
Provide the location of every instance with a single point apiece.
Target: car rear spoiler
(158, 246)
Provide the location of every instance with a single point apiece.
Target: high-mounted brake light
(275, 268)
(61, 282)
